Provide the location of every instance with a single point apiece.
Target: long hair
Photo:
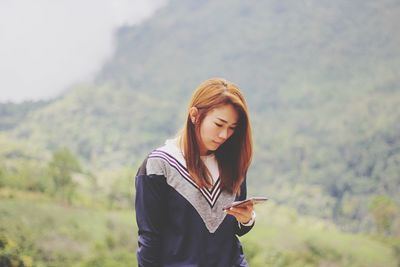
(234, 155)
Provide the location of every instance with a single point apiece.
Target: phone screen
(245, 202)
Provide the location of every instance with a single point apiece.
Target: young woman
(182, 187)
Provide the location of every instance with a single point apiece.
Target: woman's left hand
(242, 214)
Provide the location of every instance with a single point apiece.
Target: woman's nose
(223, 134)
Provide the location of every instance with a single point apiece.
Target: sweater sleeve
(150, 211)
(240, 228)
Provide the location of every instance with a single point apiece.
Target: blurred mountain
(11, 114)
(322, 80)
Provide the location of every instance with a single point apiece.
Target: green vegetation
(323, 102)
(283, 238)
(61, 167)
(96, 225)
(41, 230)
(322, 83)
(384, 211)
(11, 114)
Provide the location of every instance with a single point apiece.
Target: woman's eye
(232, 128)
(219, 125)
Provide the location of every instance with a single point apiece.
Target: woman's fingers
(242, 214)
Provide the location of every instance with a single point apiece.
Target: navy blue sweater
(181, 224)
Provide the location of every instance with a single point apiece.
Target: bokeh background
(89, 88)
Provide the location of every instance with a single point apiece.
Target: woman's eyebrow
(226, 121)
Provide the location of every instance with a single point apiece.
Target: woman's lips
(218, 143)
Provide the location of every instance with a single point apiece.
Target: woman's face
(218, 125)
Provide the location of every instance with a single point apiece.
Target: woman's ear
(193, 113)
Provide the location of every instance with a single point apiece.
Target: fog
(47, 46)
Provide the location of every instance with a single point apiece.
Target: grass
(45, 230)
(40, 231)
(280, 235)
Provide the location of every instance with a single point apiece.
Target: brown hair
(234, 155)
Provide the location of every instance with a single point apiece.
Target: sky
(47, 46)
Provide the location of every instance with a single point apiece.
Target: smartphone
(242, 203)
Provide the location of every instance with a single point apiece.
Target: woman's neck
(205, 152)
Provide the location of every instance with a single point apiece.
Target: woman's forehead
(225, 113)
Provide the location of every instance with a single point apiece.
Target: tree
(383, 209)
(61, 168)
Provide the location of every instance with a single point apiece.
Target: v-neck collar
(168, 161)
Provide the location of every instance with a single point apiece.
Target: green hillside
(322, 81)
(40, 231)
(11, 114)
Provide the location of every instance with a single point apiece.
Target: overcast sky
(47, 45)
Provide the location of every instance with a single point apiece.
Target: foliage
(384, 211)
(120, 189)
(52, 234)
(61, 167)
(39, 231)
(11, 256)
(283, 238)
(322, 82)
(12, 114)
(321, 79)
